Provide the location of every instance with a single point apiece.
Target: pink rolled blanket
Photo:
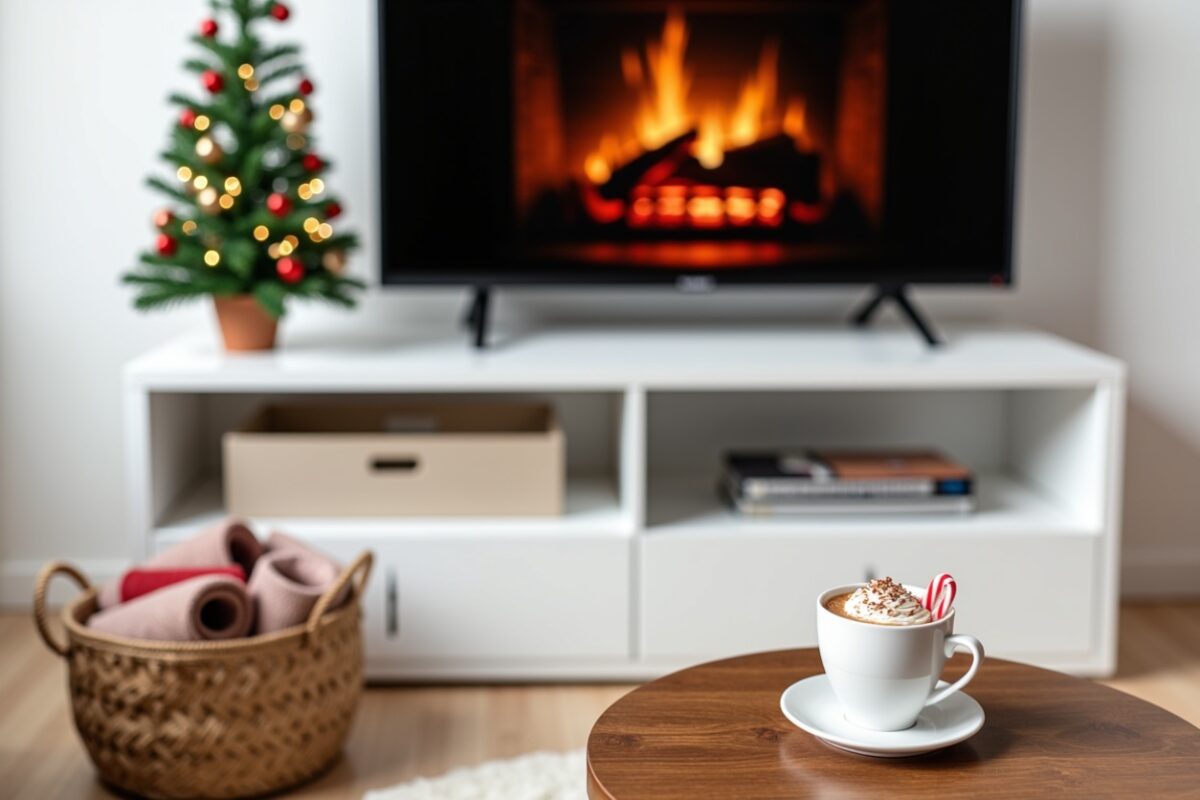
(278, 542)
(201, 608)
(229, 542)
(287, 582)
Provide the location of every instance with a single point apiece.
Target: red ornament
(209, 28)
(305, 86)
(211, 79)
(278, 204)
(165, 244)
(290, 269)
(332, 210)
(280, 12)
(187, 117)
(312, 162)
(163, 218)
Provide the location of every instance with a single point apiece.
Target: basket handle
(360, 567)
(40, 588)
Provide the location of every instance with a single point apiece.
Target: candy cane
(939, 595)
(946, 599)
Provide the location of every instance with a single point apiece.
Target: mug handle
(954, 642)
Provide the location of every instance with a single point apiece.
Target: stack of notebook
(828, 481)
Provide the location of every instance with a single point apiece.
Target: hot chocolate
(880, 602)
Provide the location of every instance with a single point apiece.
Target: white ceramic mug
(883, 675)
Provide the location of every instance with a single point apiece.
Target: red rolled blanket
(141, 580)
(225, 544)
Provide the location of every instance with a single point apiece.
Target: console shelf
(647, 570)
(688, 505)
(592, 508)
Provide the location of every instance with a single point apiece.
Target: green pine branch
(174, 192)
(279, 51)
(196, 65)
(280, 72)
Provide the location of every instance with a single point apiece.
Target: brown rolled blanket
(201, 608)
(228, 542)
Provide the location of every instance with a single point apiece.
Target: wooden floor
(401, 733)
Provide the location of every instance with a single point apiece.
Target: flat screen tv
(698, 142)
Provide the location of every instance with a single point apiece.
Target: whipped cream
(885, 602)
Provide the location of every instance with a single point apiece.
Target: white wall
(1150, 303)
(1105, 225)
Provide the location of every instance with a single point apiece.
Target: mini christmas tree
(250, 212)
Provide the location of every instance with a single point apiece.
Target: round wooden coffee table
(716, 730)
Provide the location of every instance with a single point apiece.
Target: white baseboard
(17, 577)
(1163, 571)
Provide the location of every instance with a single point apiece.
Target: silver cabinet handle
(391, 604)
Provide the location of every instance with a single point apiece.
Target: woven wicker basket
(212, 719)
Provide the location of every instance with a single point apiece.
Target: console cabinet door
(439, 601)
(1024, 596)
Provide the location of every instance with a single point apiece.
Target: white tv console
(647, 571)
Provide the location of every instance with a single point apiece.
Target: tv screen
(760, 141)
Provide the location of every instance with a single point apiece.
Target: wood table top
(716, 731)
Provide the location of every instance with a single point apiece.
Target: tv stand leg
(476, 318)
(899, 295)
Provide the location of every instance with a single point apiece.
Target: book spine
(788, 487)
(935, 505)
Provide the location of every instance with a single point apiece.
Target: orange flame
(665, 112)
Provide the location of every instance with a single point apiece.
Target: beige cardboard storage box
(495, 459)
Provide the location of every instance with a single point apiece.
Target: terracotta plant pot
(244, 323)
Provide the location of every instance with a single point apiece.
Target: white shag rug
(536, 776)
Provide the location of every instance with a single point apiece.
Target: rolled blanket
(229, 542)
(140, 580)
(204, 607)
(286, 584)
(278, 542)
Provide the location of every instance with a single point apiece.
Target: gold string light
(202, 122)
(226, 201)
(200, 183)
(326, 230)
(317, 185)
(212, 258)
(311, 224)
(208, 150)
(296, 106)
(304, 191)
(245, 71)
(184, 173)
(208, 200)
(334, 261)
(276, 111)
(188, 227)
(233, 186)
(261, 232)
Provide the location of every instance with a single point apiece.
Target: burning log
(650, 168)
(773, 161)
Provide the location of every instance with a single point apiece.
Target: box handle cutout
(394, 464)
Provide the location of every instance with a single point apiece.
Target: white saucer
(810, 705)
